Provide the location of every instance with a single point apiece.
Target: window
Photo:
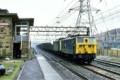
(18, 23)
(24, 29)
(92, 39)
(7, 46)
(1, 30)
(21, 23)
(24, 23)
(80, 39)
(17, 30)
(1, 46)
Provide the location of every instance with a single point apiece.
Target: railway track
(106, 69)
(107, 62)
(103, 72)
(67, 67)
(93, 70)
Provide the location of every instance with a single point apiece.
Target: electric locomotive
(82, 48)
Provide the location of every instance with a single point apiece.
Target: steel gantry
(51, 33)
(57, 29)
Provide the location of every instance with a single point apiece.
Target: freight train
(81, 48)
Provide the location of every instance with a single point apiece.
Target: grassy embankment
(11, 64)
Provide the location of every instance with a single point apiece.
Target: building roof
(31, 20)
(14, 16)
(4, 11)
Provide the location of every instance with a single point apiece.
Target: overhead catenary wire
(117, 12)
(61, 13)
(66, 17)
(111, 9)
(58, 14)
(66, 14)
(108, 13)
(103, 19)
(62, 17)
(65, 8)
(106, 3)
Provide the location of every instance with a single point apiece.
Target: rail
(71, 70)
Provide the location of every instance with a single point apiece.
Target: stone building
(14, 34)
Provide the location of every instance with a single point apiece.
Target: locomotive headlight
(89, 45)
(83, 45)
(80, 45)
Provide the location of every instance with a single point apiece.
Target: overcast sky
(42, 10)
(46, 10)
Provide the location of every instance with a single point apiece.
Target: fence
(109, 52)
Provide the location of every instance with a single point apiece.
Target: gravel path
(32, 71)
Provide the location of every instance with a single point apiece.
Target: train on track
(81, 48)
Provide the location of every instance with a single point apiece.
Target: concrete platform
(48, 72)
(31, 71)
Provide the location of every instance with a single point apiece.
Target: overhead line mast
(85, 17)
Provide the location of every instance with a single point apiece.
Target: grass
(16, 64)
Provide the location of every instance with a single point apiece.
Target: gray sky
(46, 10)
(42, 10)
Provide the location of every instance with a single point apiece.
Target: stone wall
(5, 36)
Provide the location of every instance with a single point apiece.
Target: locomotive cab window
(80, 39)
(92, 39)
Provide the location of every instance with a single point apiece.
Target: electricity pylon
(85, 17)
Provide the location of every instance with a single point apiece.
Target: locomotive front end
(86, 48)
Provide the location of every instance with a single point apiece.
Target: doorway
(16, 50)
